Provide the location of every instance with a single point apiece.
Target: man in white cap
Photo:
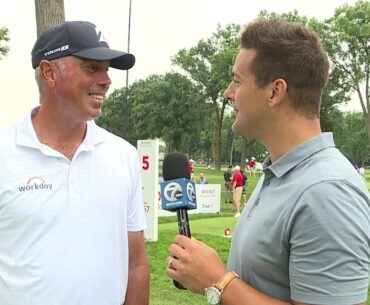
(192, 169)
(237, 188)
(252, 166)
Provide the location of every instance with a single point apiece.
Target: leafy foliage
(188, 111)
(4, 37)
(209, 64)
(348, 44)
(113, 109)
(351, 138)
(168, 107)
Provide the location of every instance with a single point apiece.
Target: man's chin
(242, 131)
(236, 129)
(92, 117)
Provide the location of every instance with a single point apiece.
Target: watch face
(213, 296)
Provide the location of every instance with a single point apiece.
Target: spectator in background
(228, 186)
(245, 184)
(247, 166)
(237, 187)
(192, 169)
(202, 179)
(252, 166)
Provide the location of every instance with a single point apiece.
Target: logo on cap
(60, 49)
(100, 35)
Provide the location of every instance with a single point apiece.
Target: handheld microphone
(178, 192)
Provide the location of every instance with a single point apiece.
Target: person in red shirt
(252, 165)
(237, 187)
(191, 169)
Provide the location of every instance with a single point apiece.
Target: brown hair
(292, 52)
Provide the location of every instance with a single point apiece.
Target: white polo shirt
(64, 224)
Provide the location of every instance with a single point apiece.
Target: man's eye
(91, 68)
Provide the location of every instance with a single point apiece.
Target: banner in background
(148, 154)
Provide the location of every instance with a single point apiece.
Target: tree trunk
(218, 144)
(218, 140)
(365, 106)
(48, 14)
(232, 150)
(243, 153)
(367, 120)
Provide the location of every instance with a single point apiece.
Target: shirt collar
(94, 135)
(26, 135)
(298, 154)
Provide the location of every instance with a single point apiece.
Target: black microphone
(178, 192)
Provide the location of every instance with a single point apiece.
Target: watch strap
(225, 280)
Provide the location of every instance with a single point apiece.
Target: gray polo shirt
(305, 232)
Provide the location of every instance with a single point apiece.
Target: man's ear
(47, 71)
(279, 88)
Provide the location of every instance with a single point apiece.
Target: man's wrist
(213, 294)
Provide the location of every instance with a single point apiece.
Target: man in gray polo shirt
(304, 236)
(318, 240)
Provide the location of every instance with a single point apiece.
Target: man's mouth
(236, 109)
(98, 97)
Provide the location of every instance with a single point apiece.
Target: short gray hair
(59, 62)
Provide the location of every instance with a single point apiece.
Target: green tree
(348, 44)
(167, 107)
(112, 113)
(209, 64)
(337, 90)
(201, 146)
(351, 137)
(228, 136)
(4, 37)
(162, 106)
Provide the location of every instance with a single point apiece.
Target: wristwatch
(213, 293)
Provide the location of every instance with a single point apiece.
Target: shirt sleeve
(329, 244)
(135, 209)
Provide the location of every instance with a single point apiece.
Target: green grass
(211, 226)
(206, 227)
(162, 291)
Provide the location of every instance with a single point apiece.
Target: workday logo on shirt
(35, 183)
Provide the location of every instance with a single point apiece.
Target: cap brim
(119, 60)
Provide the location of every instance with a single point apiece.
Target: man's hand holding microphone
(191, 264)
